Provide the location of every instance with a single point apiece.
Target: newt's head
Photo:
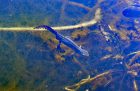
(84, 52)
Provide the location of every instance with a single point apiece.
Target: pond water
(31, 61)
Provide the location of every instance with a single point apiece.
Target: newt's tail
(47, 28)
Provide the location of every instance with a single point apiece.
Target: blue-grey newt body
(65, 40)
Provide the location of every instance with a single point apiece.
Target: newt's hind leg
(59, 47)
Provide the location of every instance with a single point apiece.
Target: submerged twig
(79, 5)
(60, 28)
(135, 85)
(85, 81)
(133, 53)
(132, 60)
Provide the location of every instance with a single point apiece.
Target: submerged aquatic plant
(116, 38)
(112, 76)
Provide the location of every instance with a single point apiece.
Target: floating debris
(106, 57)
(116, 57)
(132, 12)
(104, 33)
(133, 53)
(89, 79)
(135, 85)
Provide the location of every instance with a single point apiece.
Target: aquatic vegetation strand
(60, 28)
(76, 86)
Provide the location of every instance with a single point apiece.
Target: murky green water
(30, 61)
